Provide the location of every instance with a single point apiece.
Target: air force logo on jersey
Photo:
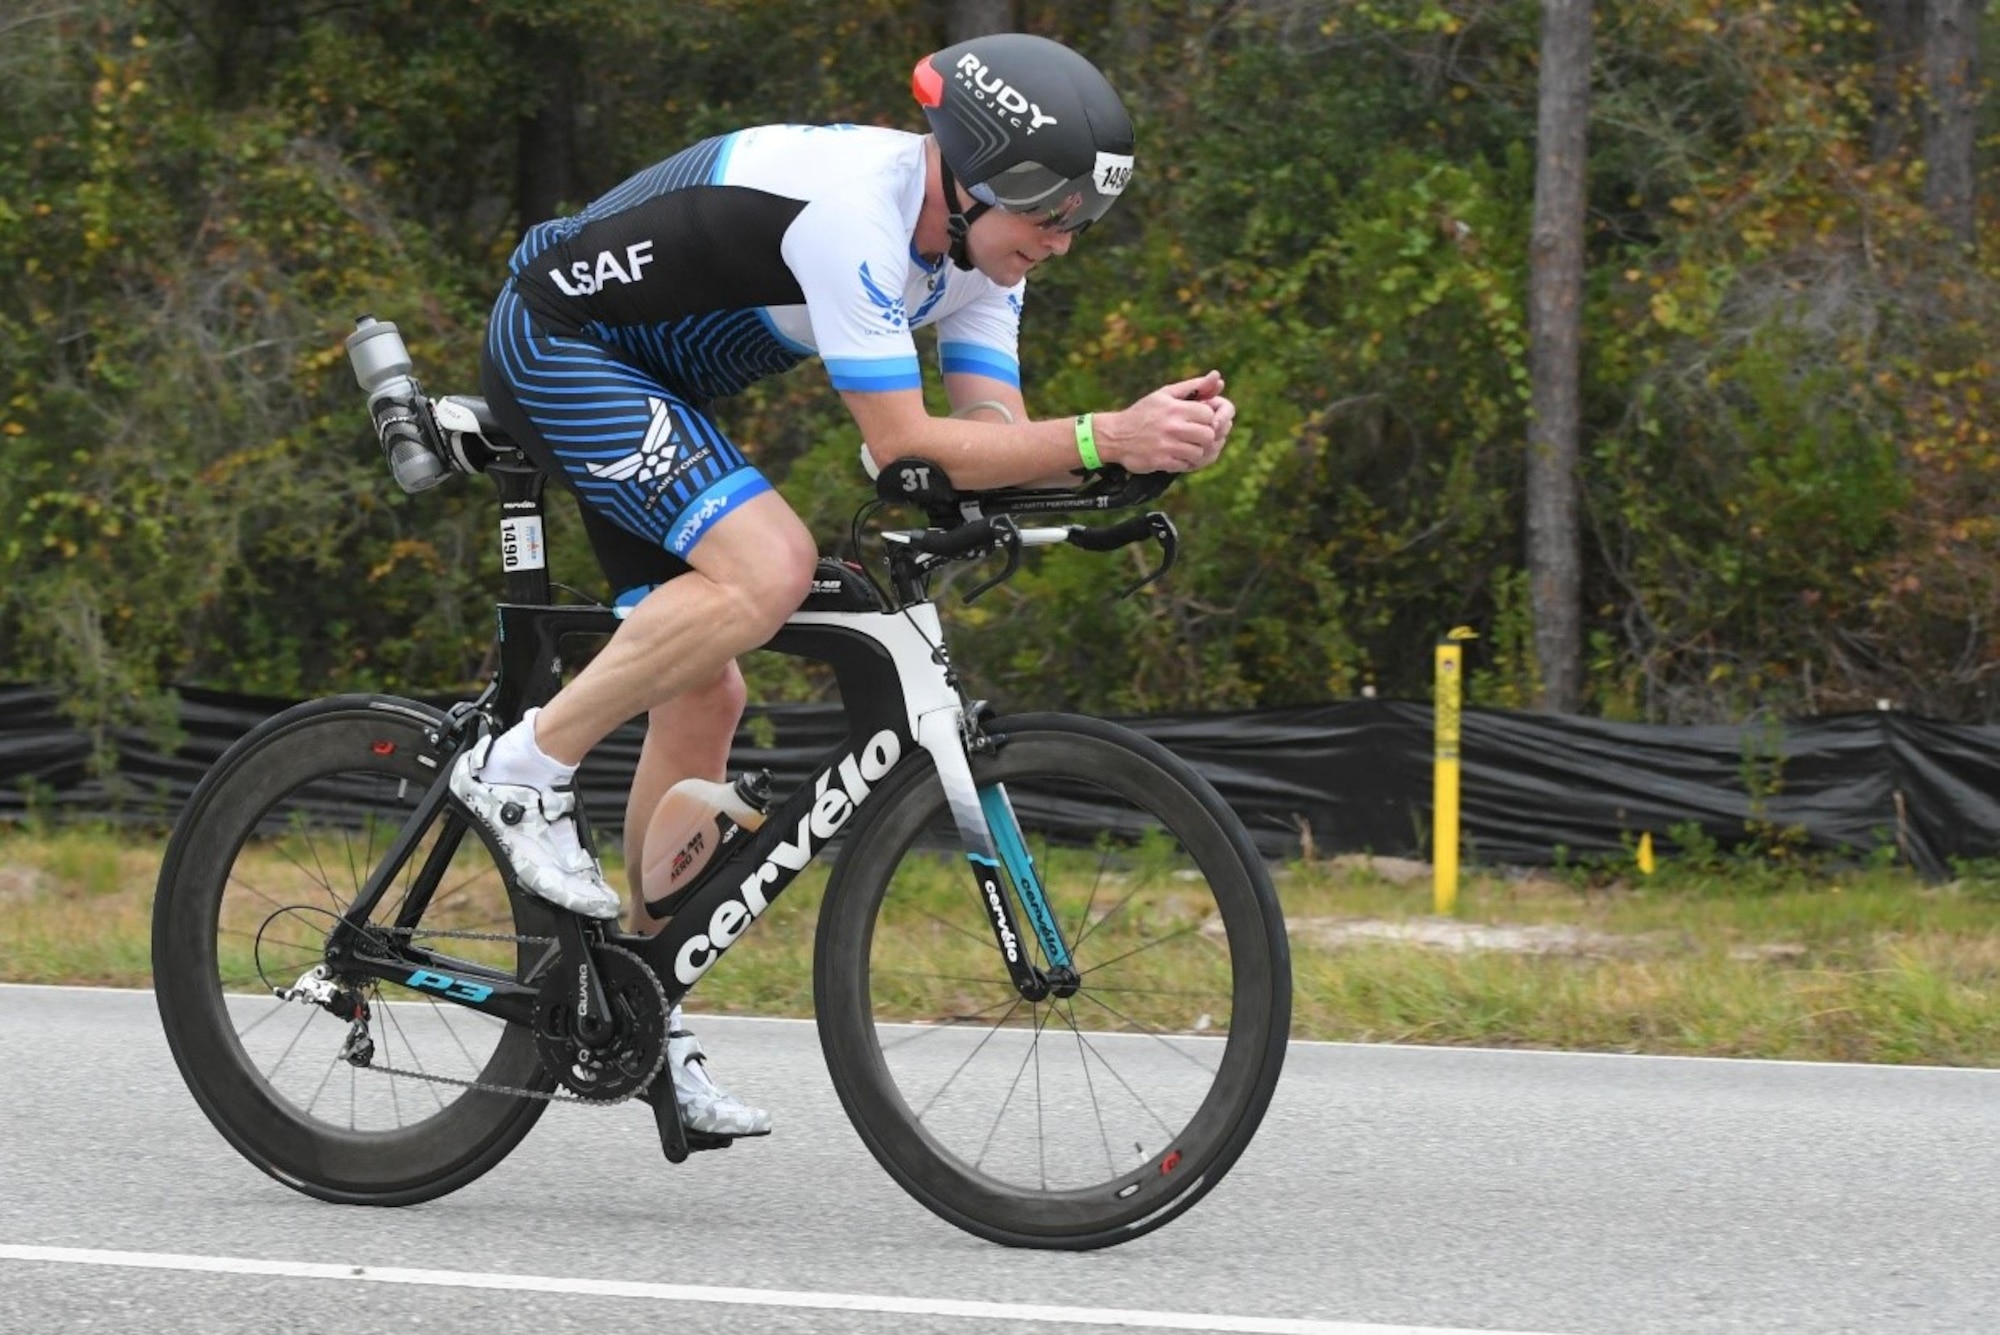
(888, 304)
(894, 309)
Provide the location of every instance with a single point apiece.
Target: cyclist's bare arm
(1177, 428)
(984, 399)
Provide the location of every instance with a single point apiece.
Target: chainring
(638, 1046)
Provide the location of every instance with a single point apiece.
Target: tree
(1951, 110)
(545, 129)
(966, 19)
(1898, 36)
(1555, 317)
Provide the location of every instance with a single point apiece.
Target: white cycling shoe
(527, 822)
(705, 1106)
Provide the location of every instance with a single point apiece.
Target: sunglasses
(1061, 218)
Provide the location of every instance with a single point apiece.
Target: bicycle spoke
(1091, 929)
(285, 1055)
(325, 881)
(985, 980)
(325, 1079)
(1137, 1098)
(1082, 928)
(1090, 1085)
(1141, 949)
(390, 1023)
(277, 905)
(932, 1102)
(275, 1008)
(1005, 1104)
(1159, 1036)
(938, 1027)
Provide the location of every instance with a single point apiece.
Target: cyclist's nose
(1060, 242)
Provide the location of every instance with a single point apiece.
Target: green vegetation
(1789, 480)
(1725, 958)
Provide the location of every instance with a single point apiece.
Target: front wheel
(1078, 1121)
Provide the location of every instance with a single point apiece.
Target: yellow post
(1445, 773)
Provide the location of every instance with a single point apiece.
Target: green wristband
(1086, 443)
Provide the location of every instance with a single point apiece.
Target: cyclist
(734, 259)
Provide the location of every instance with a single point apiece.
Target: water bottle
(695, 819)
(395, 400)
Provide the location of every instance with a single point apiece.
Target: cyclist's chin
(1007, 269)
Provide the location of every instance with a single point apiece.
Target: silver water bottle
(395, 400)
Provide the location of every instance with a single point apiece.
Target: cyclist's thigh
(651, 473)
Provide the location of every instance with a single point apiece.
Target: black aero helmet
(1027, 125)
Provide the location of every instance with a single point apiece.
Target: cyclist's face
(1005, 246)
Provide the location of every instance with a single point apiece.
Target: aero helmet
(1027, 125)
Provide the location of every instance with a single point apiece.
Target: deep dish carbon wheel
(273, 846)
(1073, 1122)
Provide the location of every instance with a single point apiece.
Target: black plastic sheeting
(1338, 778)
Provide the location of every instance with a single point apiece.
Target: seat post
(524, 548)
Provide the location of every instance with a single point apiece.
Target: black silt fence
(1347, 777)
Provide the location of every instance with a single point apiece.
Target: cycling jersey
(747, 253)
(734, 259)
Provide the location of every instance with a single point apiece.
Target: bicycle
(1066, 1051)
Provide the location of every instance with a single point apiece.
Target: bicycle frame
(902, 699)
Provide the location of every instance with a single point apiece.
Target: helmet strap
(958, 221)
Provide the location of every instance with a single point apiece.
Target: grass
(1710, 957)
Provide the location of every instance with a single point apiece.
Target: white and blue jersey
(734, 259)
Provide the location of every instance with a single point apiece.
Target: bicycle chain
(556, 1095)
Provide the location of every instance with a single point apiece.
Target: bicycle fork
(992, 840)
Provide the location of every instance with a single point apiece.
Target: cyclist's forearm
(975, 450)
(977, 455)
(1176, 428)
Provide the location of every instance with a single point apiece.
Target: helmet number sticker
(1113, 171)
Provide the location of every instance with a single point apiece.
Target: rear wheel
(274, 846)
(1070, 1122)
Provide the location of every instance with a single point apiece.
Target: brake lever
(1169, 538)
(1005, 534)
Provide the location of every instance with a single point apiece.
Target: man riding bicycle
(734, 259)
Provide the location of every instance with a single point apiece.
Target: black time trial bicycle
(1051, 977)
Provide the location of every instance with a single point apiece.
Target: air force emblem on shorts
(658, 456)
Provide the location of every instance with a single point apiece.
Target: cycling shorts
(651, 473)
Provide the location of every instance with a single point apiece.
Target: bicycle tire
(1186, 899)
(292, 784)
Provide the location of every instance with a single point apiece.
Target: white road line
(696, 1293)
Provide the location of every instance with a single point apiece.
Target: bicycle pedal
(676, 1141)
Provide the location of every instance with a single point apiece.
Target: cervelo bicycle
(1065, 1049)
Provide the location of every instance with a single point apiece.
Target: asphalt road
(1391, 1190)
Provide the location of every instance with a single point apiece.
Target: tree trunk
(1132, 20)
(1898, 37)
(1555, 312)
(545, 179)
(1951, 111)
(966, 19)
(240, 38)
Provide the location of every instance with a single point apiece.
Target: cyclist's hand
(1175, 429)
(1225, 413)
